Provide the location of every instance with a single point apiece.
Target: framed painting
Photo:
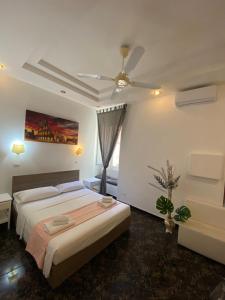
(48, 129)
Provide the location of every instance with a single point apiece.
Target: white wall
(157, 130)
(15, 98)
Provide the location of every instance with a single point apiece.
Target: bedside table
(92, 183)
(5, 208)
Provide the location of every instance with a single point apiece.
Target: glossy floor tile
(144, 263)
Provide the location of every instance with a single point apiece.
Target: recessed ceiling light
(2, 67)
(155, 92)
(63, 92)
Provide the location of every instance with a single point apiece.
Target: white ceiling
(184, 43)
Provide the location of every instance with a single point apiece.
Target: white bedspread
(75, 239)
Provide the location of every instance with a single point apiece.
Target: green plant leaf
(164, 205)
(160, 181)
(183, 214)
(176, 180)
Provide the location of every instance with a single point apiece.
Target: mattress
(75, 239)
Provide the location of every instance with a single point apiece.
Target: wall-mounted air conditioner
(204, 94)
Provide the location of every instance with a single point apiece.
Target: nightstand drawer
(5, 205)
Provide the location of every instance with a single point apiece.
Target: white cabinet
(5, 208)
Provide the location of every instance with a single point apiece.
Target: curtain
(109, 125)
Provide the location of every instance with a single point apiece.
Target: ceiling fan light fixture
(122, 80)
(121, 83)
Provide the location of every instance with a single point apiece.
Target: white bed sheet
(75, 239)
(15, 202)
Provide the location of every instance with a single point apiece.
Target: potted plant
(168, 182)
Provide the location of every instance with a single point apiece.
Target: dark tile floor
(142, 264)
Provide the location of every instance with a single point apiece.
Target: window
(114, 163)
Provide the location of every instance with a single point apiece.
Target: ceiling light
(122, 83)
(156, 92)
(122, 80)
(2, 67)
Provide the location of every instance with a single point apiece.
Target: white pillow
(36, 194)
(70, 186)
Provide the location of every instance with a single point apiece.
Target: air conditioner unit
(200, 95)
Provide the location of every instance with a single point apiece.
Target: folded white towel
(60, 220)
(106, 204)
(107, 199)
(52, 229)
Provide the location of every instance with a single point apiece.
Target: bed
(73, 248)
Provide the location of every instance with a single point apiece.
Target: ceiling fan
(122, 80)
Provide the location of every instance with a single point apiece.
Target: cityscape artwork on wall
(48, 129)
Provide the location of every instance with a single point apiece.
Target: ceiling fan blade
(95, 76)
(134, 58)
(145, 85)
(102, 77)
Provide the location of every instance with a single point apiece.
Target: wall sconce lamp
(2, 67)
(18, 149)
(79, 150)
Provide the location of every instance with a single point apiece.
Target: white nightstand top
(91, 182)
(5, 197)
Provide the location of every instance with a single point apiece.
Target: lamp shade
(18, 148)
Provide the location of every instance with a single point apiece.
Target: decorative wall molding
(67, 76)
(59, 81)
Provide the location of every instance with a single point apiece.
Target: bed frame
(66, 268)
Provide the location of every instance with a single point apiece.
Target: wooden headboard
(25, 182)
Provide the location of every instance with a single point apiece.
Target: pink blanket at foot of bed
(38, 240)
